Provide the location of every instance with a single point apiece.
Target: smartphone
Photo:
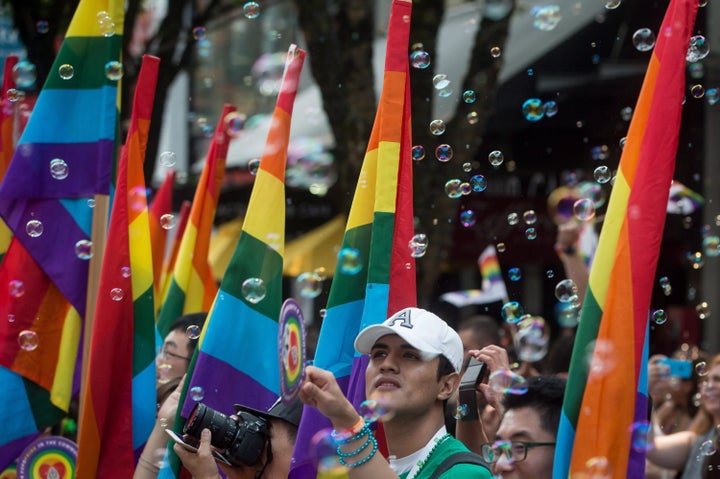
(189, 447)
(680, 368)
(474, 375)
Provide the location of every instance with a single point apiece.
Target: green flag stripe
(381, 251)
(143, 332)
(578, 376)
(353, 284)
(254, 259)
(84, 54)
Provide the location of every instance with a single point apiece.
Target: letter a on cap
(403, 315)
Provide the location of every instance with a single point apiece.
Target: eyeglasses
(165, 354)
(515, 451)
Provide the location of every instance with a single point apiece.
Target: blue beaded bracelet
(364, 459)
(356, 451)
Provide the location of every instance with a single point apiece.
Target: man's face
(174, 357)
(282, 450)
(398, 376)
(523, 425)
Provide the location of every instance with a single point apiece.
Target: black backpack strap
(464, 457)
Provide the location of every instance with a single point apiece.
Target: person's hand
(658, 374)
(167, 411)
(567, 237)
(321, 390)
(201, 464)
(496, 359)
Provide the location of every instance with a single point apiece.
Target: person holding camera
(414, 365)
(251, 444)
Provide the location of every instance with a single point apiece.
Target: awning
(315, 249)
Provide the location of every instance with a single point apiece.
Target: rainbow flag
(118, 403)
(7, 139)
(379, 228)
(192, 286)
(63, 158)
(160, 206)
(171, 257)
(493, 285)
(237, 358)
(607, 383)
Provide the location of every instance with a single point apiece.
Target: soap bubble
(117, 294)
(309, 284)
(251, 10)
(512, 311)
(350, 261)
(28, 340)
(197, 393)
(420, 59)
(643, 40)
(532, 109)
(168, 221)
(66, 71)
(566, 290)
(113, 70)
(418, 245)
(699, 49)
(84, 249)
(34, 228)
(59, 169)
(496, 158)
(437, 127)
(193, 331)
(253, 290)
(505, 381)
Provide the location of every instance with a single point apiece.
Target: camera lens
(223, 428)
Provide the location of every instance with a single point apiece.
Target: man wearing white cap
(415, 360)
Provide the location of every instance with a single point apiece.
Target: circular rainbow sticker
(50, 457)
(291, 348)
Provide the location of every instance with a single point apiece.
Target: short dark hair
(485, 329)
(187, 320)
(444, 367)
(545, 395)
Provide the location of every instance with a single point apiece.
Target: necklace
(421, 463)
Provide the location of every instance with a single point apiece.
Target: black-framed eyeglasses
(164, 353)
(515, 451)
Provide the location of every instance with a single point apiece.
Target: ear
(447, 386)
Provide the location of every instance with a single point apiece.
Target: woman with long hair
(693, 450)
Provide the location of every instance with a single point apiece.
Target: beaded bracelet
(342, 439)
(356, 451)
(364, 459)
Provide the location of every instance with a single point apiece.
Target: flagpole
(98, 238)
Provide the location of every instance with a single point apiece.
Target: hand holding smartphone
(474, 375)
(192, 448)
(678, 367)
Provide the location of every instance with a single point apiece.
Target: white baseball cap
(422, 330)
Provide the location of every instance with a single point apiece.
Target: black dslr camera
(241, 442)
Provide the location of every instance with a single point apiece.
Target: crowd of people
(416, 364)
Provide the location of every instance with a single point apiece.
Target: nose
(503, 465)
(388, 364)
